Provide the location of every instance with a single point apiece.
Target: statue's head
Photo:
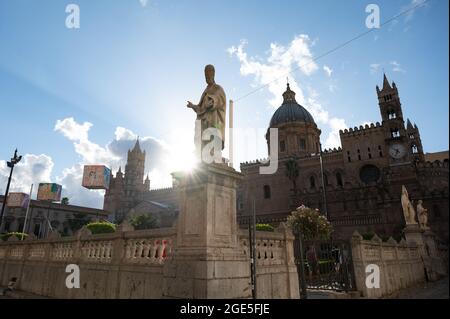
(209, 73)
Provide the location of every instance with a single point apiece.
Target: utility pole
(14, 160)
(325, 209)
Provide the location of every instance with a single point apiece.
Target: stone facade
(362, 179)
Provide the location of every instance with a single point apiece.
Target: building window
(312, 182)
(339, 181)
(325, 179)
(282, 146)
(411, 136)
(267, 193)
(349, 158)
(37, 230)
(436, 211)
(369, 153)
(414, 149)
(359, 155)
(395, 133)
(392, 115)
(302, 143)
(380, 152)
(7, 226)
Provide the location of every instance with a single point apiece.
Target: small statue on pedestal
(422, 215)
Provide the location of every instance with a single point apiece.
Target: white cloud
(281, 62)
(396, 67)
(374, 67)
(32, 169)
(327, 70)
(160, 161)
(72, 130)
(410, 14)
(143, 3)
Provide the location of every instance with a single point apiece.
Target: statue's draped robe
(212, 111)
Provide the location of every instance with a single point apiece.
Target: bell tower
(393, 123)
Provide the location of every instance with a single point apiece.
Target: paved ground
(430, 290)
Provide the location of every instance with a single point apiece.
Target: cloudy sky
(70, 97)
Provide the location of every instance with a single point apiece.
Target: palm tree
(292, 172)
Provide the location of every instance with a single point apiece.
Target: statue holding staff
(211, 110)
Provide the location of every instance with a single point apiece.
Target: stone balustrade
(129, 264)
(400, 264)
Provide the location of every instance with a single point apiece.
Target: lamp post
(323, 183)
(14, 160)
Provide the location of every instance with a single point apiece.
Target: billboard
(96, 177)
(49, 191)
(17, 200)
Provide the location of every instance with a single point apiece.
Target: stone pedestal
(425, 239)
(207, 261)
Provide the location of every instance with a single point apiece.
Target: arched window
(436, 211)
(395, 132)
(267, 193)
(302, 144)
(392, 114)
(414, 149)
(325, 179)
(312, 182)
(339, 181)
(282, 146)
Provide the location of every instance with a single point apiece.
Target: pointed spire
(289, 95)
(137, 146)
(409, 125)
(147, 178)
(386, 84)
(120, 170)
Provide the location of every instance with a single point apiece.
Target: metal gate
(327, 265)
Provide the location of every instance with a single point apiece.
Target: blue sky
(130, 68)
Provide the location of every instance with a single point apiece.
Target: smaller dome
(290, 111)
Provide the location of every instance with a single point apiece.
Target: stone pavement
(427, 290)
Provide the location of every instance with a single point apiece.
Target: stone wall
(400, 264)
(130, 264)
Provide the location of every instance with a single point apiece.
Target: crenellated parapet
(361, 130)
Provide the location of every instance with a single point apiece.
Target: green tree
(65, 201)
(144, 221)
(292, 172)
(77, 221)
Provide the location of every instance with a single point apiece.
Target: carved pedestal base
(207, 261)
(426, 241)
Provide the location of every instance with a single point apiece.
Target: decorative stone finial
(289, 95)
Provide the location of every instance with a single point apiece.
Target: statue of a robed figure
(211, 114)
(408, 208)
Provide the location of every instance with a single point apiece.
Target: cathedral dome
(290, 111)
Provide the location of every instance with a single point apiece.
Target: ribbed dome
(290, 111)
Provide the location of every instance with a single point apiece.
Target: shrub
(141, 222)
(101, 227)
(368, 235)
(264, 227)
(6, 236)
(310, 223)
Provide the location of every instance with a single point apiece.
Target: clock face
(397, 151)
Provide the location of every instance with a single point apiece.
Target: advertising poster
(17, 200)
(96, 177)
(49, 192)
